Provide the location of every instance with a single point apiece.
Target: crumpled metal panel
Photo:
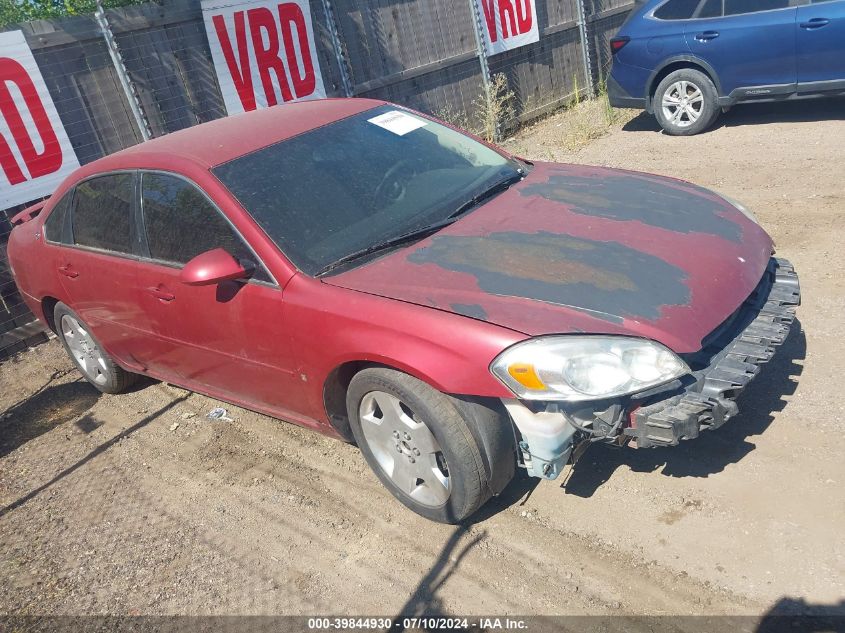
(684, 417)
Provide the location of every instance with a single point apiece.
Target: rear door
(228, 338)
(93, 253)
(821, 46)
(750, 44)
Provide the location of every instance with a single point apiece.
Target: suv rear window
(102, 213)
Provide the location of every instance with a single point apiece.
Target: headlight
(741, 208)
(577, 368)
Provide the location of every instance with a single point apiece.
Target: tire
(95, 365)
(438, 447)
(697, 114)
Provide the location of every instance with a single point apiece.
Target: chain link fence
(142, 71)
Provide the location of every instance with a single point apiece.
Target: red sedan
(374, 274)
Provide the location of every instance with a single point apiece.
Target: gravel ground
(138, 504)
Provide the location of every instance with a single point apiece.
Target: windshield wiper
(492, 190)
(410, 236)
(418, 234)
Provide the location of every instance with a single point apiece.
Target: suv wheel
(686, 103)
(418, 445)
(90, 358)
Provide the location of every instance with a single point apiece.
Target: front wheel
(418, 445)
(686, 103)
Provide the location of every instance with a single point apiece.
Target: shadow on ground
(517, 492)
(425, 600)
(796, 614)
(800, 111)
(713, 451)
(91, 423)
(48, 408)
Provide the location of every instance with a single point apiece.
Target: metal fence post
(585, 47)
(482, 58)
(345, 80)
(122, 74)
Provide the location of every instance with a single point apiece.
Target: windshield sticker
(398, 122)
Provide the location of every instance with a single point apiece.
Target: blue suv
(686, 60)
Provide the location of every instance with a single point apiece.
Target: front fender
(332, 326)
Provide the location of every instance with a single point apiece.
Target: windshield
(350, 185)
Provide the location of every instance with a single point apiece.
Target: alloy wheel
(84, 350)
(683, 104)
(405, 448)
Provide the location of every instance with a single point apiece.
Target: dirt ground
(138, 504)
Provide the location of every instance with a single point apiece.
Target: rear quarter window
(54, 226)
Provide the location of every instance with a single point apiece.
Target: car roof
(217, 142)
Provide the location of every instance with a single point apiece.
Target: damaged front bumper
(703, 400)
(751, 337)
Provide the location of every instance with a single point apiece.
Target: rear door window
(102, 213)
(181, 223)
(677, 10)
(687, 9)
(742, 7)
(710, 9)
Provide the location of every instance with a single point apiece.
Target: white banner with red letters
(264, 52)
(508, 24)
(35, 153)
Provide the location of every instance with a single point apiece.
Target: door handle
(815, 23)
(161, 294)
(707, 36)
(68, 271)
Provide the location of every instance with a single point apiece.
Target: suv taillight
(618, 43)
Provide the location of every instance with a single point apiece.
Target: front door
(228, 338)
(821, 46)
(750, 44)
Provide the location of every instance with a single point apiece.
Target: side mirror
(212, 267)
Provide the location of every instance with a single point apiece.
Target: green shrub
(18, 11)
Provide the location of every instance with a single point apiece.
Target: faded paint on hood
(584, 249)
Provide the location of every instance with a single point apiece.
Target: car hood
(577, 249)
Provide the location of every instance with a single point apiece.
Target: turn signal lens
(526, 376)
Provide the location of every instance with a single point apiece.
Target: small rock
(188, 415)
(174, 426)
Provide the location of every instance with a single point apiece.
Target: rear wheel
(686, 103)
(417, 443)
(90, 358)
